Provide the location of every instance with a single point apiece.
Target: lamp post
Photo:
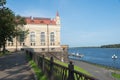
(114, 57)
(48, 37)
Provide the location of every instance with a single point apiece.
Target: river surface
(102, 56)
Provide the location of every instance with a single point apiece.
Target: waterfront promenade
(98, 72)
(15, 67)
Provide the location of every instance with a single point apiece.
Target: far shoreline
(95, 47)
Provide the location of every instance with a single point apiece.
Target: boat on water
(76, 55)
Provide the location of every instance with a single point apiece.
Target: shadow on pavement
(15, 67)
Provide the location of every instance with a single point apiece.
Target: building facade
(44, 35)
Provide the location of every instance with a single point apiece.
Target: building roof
(39, 20)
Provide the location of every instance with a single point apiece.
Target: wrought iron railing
(56, 71)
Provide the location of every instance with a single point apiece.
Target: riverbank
(102, 56)
(99, 65)
(99, 72)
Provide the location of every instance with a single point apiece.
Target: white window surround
(32, 36)
(42, 38)
(52, 38)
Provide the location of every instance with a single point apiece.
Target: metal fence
(56, 71)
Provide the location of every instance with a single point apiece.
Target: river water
(102, 56)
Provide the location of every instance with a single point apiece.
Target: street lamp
(114, 57)
(48, 37)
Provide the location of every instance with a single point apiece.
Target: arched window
(42, 38)
(52, 38)
(32, 36)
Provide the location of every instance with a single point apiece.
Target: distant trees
(111, 46)
(10, 25)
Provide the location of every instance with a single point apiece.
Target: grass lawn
(41, 76)
(75, 68)
(115, 75)
(38, 72)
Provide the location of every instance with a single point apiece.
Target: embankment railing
(56, 71)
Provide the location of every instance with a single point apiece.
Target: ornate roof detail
(39, 20)
(57, 14)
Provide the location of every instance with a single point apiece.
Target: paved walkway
(15, 67)
(99, 72)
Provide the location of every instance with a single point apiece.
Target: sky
(83, 22)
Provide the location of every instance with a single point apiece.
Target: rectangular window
(12, 44)
(22, 37)
(43, 49)
(22, 44)
(32, 44)
(52, 49)
(42, 43)
(32, 36)
(52, 43)
(42, 38)
(52, 37)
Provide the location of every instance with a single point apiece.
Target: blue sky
(83, 22)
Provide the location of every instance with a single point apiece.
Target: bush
(115, 75)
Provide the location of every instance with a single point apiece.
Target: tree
(2, 3)
(20, 22)
(7, 26)
(10, 25)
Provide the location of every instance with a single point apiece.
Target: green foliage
(7, 26)
(28, 58)
(6, 53)
(22, 35)
(2, 2)
(115, 75)
(75, 67)
(19, 22)
(10, 25)
(37, 71)
(20, 32)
